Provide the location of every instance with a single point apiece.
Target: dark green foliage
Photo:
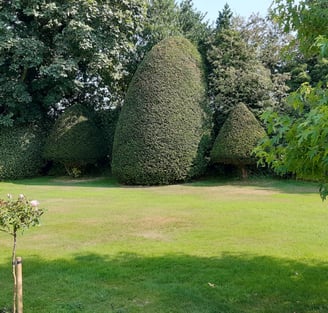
(51, 50)
(236, 74)
(237, 138)
(167, 18)
(163, 130)
(75, 140)
(21, 151)
(107, 120)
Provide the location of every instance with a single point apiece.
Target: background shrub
(107, 121)
(21, 151)
(237, 138)
(163, 130)
(75, 140)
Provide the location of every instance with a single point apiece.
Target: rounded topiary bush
(75, 140)
(237, 139)
(163, 129)
(21, 151)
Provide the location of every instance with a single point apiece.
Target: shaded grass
(215, 246)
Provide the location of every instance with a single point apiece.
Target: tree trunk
(244, 173)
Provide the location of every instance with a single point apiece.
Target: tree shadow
(127, 282)
(288, 186)
(261, 183)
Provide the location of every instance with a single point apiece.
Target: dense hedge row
(75, 139)
(237, 138)
(163, 131)
(21, 151)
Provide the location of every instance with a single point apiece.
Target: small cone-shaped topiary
(75, 140)
(237, 139)
(21, 151)
(163, 131)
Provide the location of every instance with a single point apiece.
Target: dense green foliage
(52, 51)
(307, 18)
(239, 135)
(107, 121)
(21, 151)
(298, 140)
(235, 72)
(75, 140)
(165, 18)
(163, 131)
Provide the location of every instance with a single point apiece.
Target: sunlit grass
(211, 246)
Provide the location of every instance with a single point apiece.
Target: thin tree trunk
(244, 172)
(14, 271)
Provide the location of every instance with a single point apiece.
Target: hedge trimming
(237, 138)
(21, 151)
(163, 130)
(75, 140)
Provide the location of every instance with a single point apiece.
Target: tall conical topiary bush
(237, 139)
(163, 130)
(75, 140)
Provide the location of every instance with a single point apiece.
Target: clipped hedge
(75, 140)
(237, 138)
(163, 130)
(107, 120)
(21, 151)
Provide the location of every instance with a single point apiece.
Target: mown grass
(206, 247)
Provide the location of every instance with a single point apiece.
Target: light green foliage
(163, 130)
(21, 151)
(297, 142)
(237, 138)
(19, 215)
(50, 51)
(75, 140)
(306, 17)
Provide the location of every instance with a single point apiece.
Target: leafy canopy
(50, 51)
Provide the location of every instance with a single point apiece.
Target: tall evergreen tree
(235, 73)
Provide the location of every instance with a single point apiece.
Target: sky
(239, 7)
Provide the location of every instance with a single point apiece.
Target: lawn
(211, 246)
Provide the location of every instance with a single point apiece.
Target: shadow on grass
(173, 283)
(260, 183)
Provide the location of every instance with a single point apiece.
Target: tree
(237, 139)
(166, 19)
(75, 140)
(51, 51)
(307, 18)
(192, 25)
(17, 216)
(224, 20)
(235, 73)
(161, 22)
(163, 131)
(298, 141)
